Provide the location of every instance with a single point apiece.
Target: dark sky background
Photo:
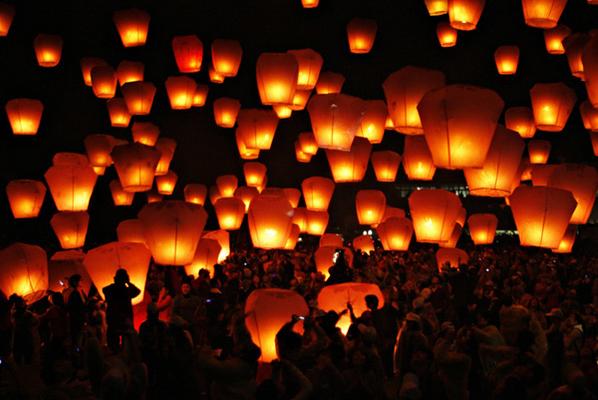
(406, 36)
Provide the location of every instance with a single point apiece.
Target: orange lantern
(64, 264)
(223, 238)
(145, 133)
(310, 3)
(103, 81)
(350, 166)
(24, 115)
(506, 59)
(282, 111)
(336, 297)
(307, 143)
(206, 256)
(200, 96)
(317, 192)
(227, 184)
(119, 196)
(372, 121)
(300, 219)
(293, 238)
(325, 257)
(226, 57)
(102, 263)
(541, 172)
(459, 123)
(257, 128)
(214, 194)
(589, 116)
(255, 173)
(139, 97)
(567, 241)
(589, 58)
(24, 271)
(331, 240)
(543, 14)
(482, 228)
(276, 75)
(166, 147)
(118, 112)
(226, 111)
(71, 186)
(501, 167)
(541, 214)
(395, 233)
(98, 148)
(582, 181)
(574, 45)
(436, 7)
(552, 104)
(188, 53)
(300, 100)
(166, 183)
(390, 212)
(363, 243)
(293, 196)
(48, 49)
(335, 119)
(417, 160)
(465, 14)
(553, 39)
(130, 231)
(434, 213)
(526, 170)
(26, 197)
(316, 222)
(215, 77)
(538, 150)
(266, 312)
(132, 26)
(361, 34)
(70, 228)
(270, 220)
(195, 193)
(446, 34)
(99, 170)
(246, 195)
(386, 165)
(181, 90)
(330, 83)
(244, 152)
(451, 257)
(87, 64)
(370, 206)
(521, 120)
(309, 63)
(454, 239)
(130, 71)
(404, 89)
(136, 166)
(301, 156)
(230, 212)
(7, 13)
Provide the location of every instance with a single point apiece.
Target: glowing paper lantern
(166, 146)
(330, 83)
(543, 14)
(226, 111)
(181, 90)
(589, 116)
(223, 238)
(541, 214)
(145, 133)
(71, 186)
(454, 239)
(553, 39)
(98, 148)
(293, 196)
(309, 63)
(276, 75)
(336, 297)
(308, 143)
(246, 195)
(541, 172)
(48, 49)
(451, 257)
(166, 183)
(521, 120)
(226, 57)
(301, 156)
(538, 150)
(70, 228)
(395, 233)
(270, 220)
(552, 104)
(316, 222)
(139, 97)
(370, 206)
(434, 213)
(417, 160)
(446, 34)
(310, 3)
(363, 243)
(64, 264)
(482, 228)
(506, 59)
(436, 7)
(24, 115)
(102, 263)
(300, 219)
(582, 182)
(257, 128)
(255, 173)
(465, 14)
(132, 26)
(206, 256)
(103, 81)
(386, 165)
(200, 96)
(300, 100)
(574, 45)
(227, 184)
(350, 166)
(361, 34)
(230, 212)
(282, 111)
(567, 241)
(24, 271)
(501, 167)
(293, 238)
(195, 193)
(188, 53)
(390, 212)
(244, 152)
(7, 13)
(87, 64)
(135, 165)
(119, 196)
(130, 231)
(25, 197)
(118, 113)
(372, 121)
(459, 122)
(589, 58)
(130, 71)
(331, 240)
(335, 119)
(266, 312)
(215, 77)
(317, 192)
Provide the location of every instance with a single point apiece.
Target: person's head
(75, 281)
(185, 288)
(371, 301)
(121, 276)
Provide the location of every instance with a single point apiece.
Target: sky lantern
(363, 243)
(257, 127)
(24, 271)
(71, 186)
(172, 230)
(436, 7)
(7, 13)
(361, 33)
(350, 166)
(553, 39)
(335, 119)
(495, 177)
(454, 239)
(307, 142)
(521, 120)
(226, 110)
(246, 194)
(139, 97)
(26, 197)
(293, 238)
(459, 123)
(446, 34)
(451, 257)
(300, 219)
(574, 45)
(526, 170)
(215, 77)
(103, 81)
(395, 233)
(99, 170)
(316, 222)
(132, 26)
(434, 213)
(266, 312)
(282, 111)
(227, 184)
(255, 173)
(24, 115)
(130, 71)
(589, 116)
(270, 220)
(166, 183)
(310, 3)
(330, 83)
(390, 212)
(465, 14)
(188, 53)
(482, 228)
(180, 90)
(309, 63)
(230, 212)
(370, 206)
(214, 194)
(195, 193)
(417, 159)
(543, 14)
(541, 172)
(552, 104)
(589, 59)
(130, 231)
(102, 263)
(372, 121)
(201, 95)
(567, 241)
(506, 59)
(118, 112)
(541, 214)
(70, 228)
(48, 49)
(166, 147)
(244, 152)
(145, 133)
(404, 89)
(386, 165)
(325, 257)
(336, 297)
(331, 240)
(64, 264)
(135, 165)
(301, 156)
(293, 196)
(98, 148)
(300, 100)
(276, 76)
(223, 237)
(582, 181)
(538, 151)
(87, 64)
(226, 57)
(206, 256)
(119, 196)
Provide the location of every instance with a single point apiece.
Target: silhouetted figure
(25, 335)
(76, 303)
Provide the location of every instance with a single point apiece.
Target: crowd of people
(513, 323)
